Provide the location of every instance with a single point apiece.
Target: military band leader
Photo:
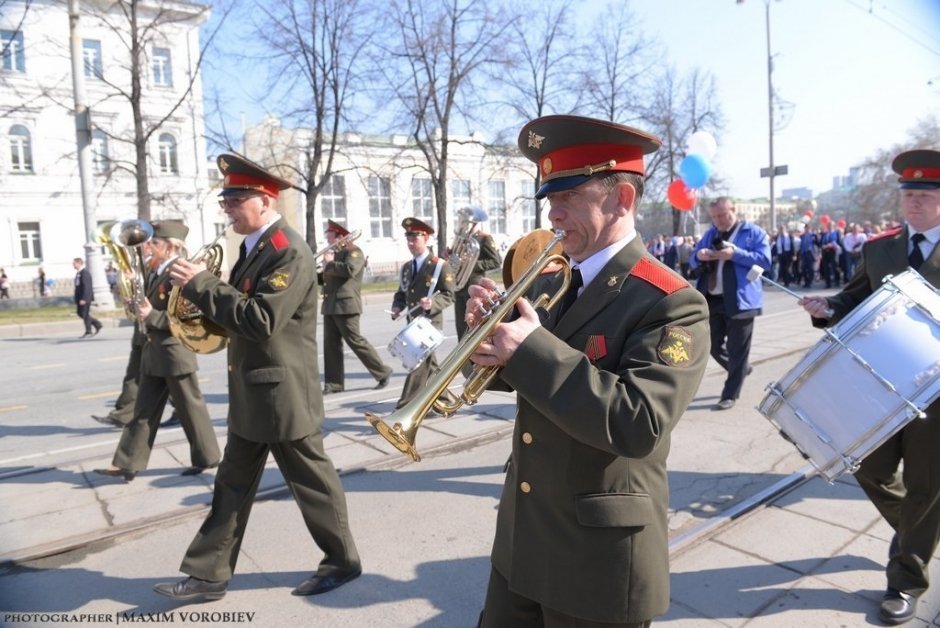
(908, 495)
(425, 288)
(167, 370)
(581, 534)
(269, 309)
(342, 306)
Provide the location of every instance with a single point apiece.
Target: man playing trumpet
(581, 535)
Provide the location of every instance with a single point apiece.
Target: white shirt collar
(592, 266)
(932, 234)
(252, 238)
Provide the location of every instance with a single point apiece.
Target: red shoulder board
(659, 276)
(279, 241)
(433, 259)
(884, 234)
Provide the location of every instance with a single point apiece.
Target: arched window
(101, 160)
(167, 149)
(21, 152)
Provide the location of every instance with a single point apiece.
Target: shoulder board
(884, 234)
(279, 240)
(659, 276)
(434, 259)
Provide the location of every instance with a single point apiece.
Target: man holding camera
(720, 262)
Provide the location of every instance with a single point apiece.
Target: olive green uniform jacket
(342, 281)
(909, 502)
(582, 522)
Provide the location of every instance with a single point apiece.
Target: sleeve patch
(659, 276)
(279, 240)
(675, 347)
(280, 280)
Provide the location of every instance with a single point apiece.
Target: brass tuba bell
(125, 240)
(465, 251)
(187, 323)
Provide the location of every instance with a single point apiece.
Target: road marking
(114, 359)
(110, 393)
(12, 408)
(47, 366)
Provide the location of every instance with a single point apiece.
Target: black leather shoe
(118, 473)
(173, 420)
(724, 404)
(96, 330)
(315, 585)
(198, 470)
(193, 590)
(897, 607)
(328, 390)
(107, 420)
(383, 382)
(87, 334)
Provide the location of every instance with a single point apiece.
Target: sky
(858, 73)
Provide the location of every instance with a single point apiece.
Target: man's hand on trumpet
(181, 271)
(506, 337)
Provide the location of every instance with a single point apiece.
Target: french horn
(187, 323)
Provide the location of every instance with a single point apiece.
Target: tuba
(465, 250)
(532, 254)
(125, 239)
(187, 323)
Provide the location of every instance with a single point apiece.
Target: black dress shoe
(328, 390)
(118, 473)
(87, 334)
(383, 382)
(897, 607)
(315, 584)
(173, 420)
(193, 589)
(198, 470)
(107, 420)
(96, 330)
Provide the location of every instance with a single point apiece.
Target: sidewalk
(811, 556)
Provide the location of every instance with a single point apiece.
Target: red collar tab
(279, 240)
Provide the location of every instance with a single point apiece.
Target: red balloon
(841, 223)
(809, 213)
(681, 196)
(824, 219)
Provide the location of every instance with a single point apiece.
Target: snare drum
(871, 374)
(415, 342)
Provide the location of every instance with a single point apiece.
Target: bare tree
(439, 48)
(11, 52)
(316, 48)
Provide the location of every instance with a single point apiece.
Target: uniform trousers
(133, 451)
(345, 327)
(731, 345)
(417, 379)
(909, 500)
(124, 406)
(314, 484)
(505, 608)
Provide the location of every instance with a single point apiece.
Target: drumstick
(757, 272)
(412, 310)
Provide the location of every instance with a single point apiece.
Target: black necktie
(576, 282)
(916, 258)
(242, 253)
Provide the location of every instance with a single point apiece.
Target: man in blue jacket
(721, 261)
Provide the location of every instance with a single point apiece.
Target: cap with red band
(414, 225)
(336, 228)
(570, 149)
(241, 174)
(918, 169)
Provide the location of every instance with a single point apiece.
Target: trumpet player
(581, 535)
(426, 288)
(167, 370)
(487, 260)
(342, 305)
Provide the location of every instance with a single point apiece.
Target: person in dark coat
(908, 495)
(269, 310)
(84, 294)
(600, 381)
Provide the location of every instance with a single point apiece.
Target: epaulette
(279, 240)
(433, 259)
(659, 276)
(884, 234)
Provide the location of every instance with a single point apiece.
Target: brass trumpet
(406, 420)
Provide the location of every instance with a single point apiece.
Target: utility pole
(102, 291)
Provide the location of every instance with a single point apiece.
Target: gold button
(525, 487)
(230, 368)
(527, 438)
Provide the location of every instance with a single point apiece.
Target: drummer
(908, 499)
(426, 288)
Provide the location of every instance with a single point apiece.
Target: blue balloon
(694, 171)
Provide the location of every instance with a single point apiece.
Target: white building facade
(41, 212)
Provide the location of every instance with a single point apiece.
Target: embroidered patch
(596, 348)
(280, 279)
(279, 241)
(675, 347)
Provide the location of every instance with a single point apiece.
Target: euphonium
(125, 240)
(187, 323)
(406, 420)
(465, 251)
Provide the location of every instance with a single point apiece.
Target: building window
(21, 153)
(380, 206)
(91, 55)
(422, 200)
(333, 200)
(162, 68)
(14, 57)
(460, 193)
(497, 206)
(30, 246)
(528, 205)
(100, 160)
(166, 148)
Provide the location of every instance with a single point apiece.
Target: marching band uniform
(488, 259)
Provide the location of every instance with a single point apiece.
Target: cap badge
(918, 174)
(547, 166)
(535, 140)
(223, 165)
